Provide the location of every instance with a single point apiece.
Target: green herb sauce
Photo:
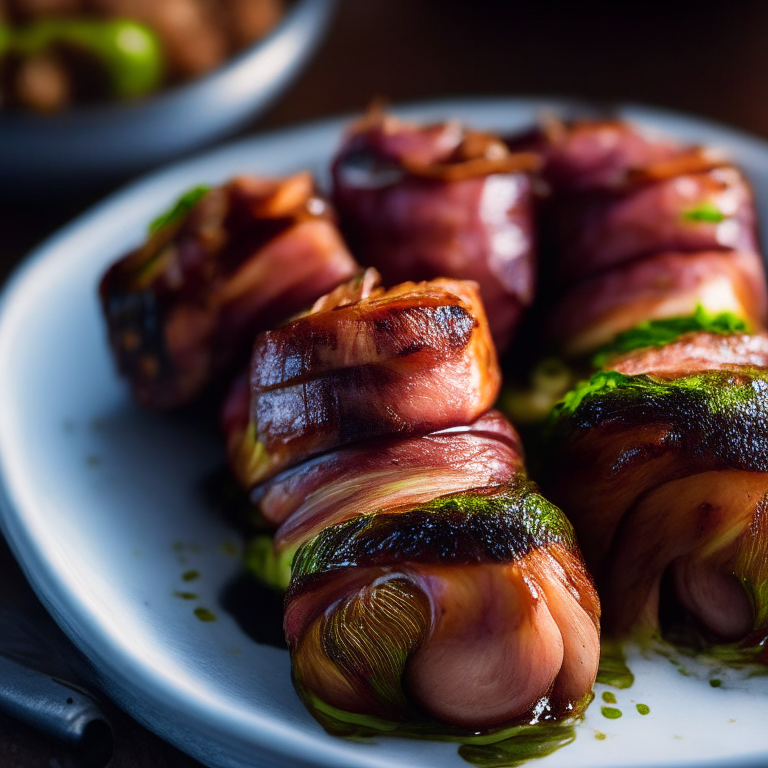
(190, 575)
(613, 669)
(529, 742)
(609, 698)
(643, 709)
(611, 713)
(706, 212)
(506, 748)
(204, 614)
(180, 208)
(659, 333)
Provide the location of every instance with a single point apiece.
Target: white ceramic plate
(100, 503)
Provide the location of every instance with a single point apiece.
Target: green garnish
(602, 381)
(269, 567)
(611, 713)
(609, 698)
(180, 208)
(742, 398)
(659, 333)
(715, 683)
(706, 212)
(643, 709)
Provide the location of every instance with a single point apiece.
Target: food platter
(102, 505)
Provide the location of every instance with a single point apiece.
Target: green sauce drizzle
(130, 52)
(505, 748)
(609, 698)
(180, 208)
(599, 735)
(527, 743)
(611, 713)
(204, 614)
(659, 333)
(706, 212)
(190, 575)
(715, 683)
(613, 669)
(643, 709)
(185, 595)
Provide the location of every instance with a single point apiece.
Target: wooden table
(702, 56)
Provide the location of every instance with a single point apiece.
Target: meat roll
(660, 461)
(471, 611)
(224, 263)
(433, 589)
(643, 229)
(420, 202)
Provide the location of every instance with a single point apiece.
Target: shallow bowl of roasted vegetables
(92, 90)
(424, 438)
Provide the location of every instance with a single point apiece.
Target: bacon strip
(414, 359)
(593, 312)
(388, 473)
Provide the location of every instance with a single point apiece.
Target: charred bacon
(183, 309)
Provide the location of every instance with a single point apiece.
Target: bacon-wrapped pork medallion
(420, 202)
(224, 264)
(659, 458)
(644, 229)
(473, 610)
(432, 587)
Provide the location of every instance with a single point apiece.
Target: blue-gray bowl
(94, 145)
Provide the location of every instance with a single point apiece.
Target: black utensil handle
(57, 708)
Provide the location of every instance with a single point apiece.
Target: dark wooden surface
(703, 57)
